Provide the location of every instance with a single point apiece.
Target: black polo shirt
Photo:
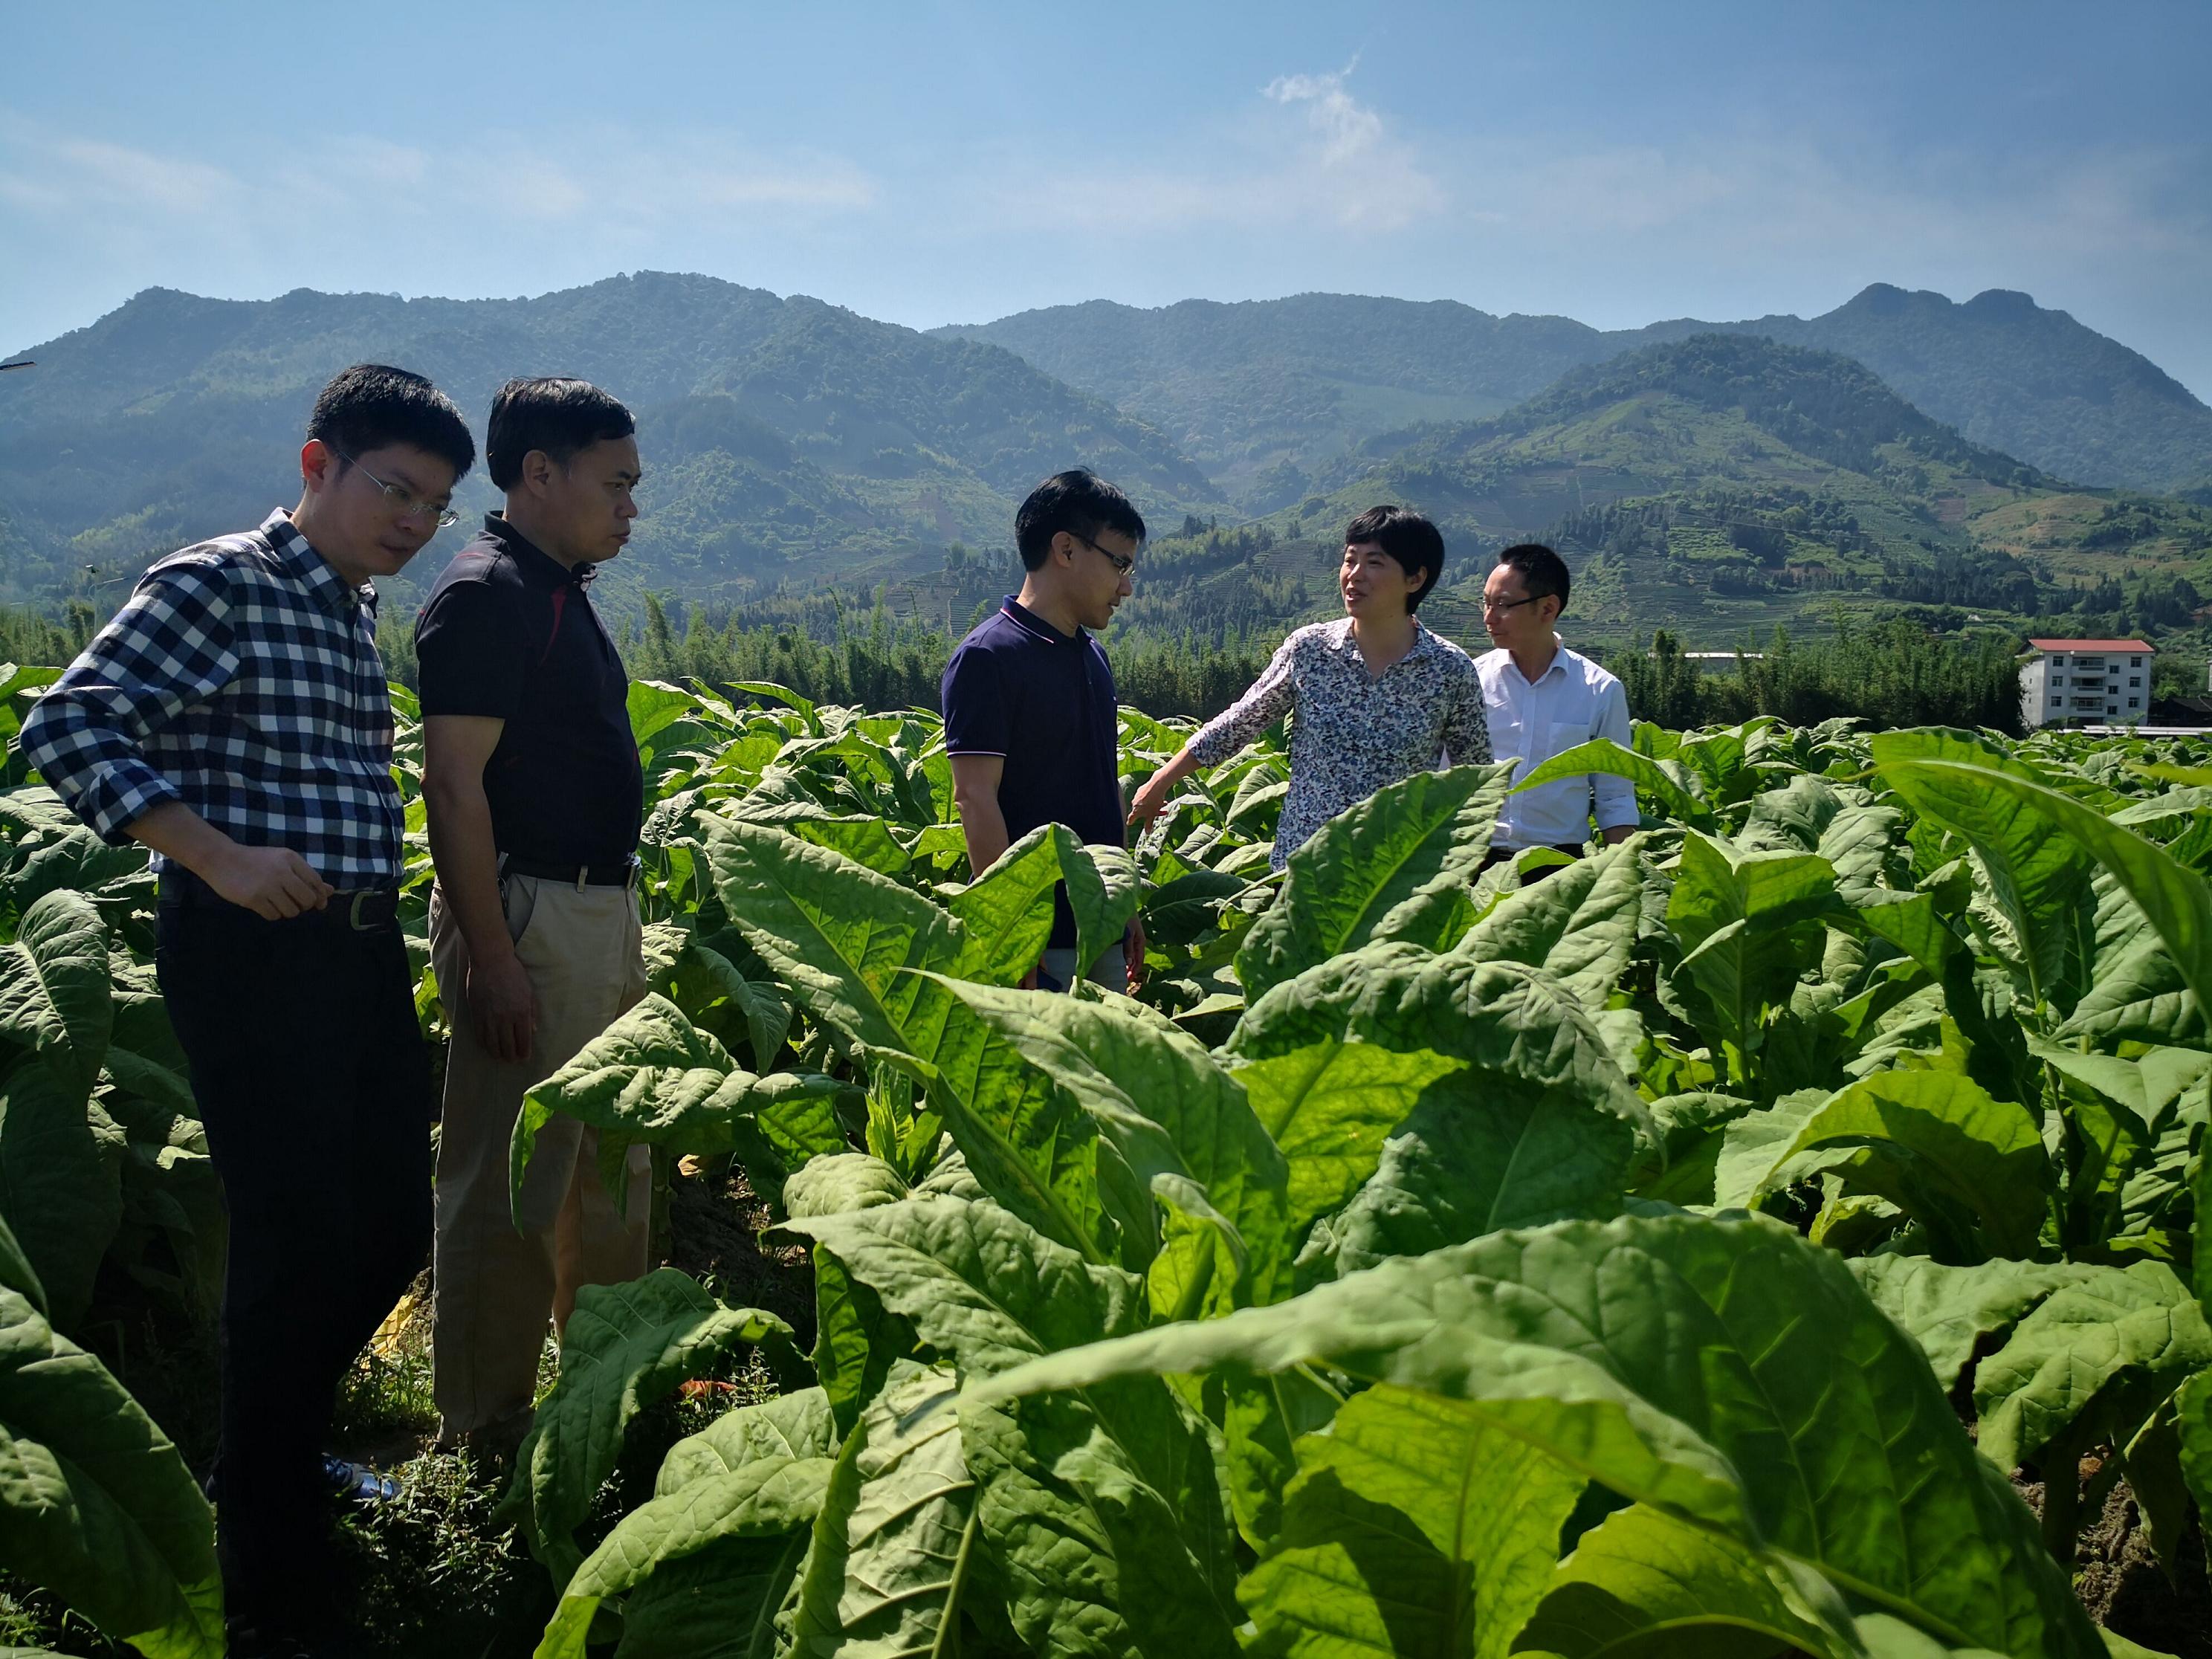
(1018, 687)
(509, 634)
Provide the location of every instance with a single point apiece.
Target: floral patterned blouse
(1353, 733)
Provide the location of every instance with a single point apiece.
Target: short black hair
(1407, 537)
(1079, 501)
(1543, 571)
(373, 404)
(556, 415)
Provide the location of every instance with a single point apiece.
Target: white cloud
(1311, 156)
(1346, 128)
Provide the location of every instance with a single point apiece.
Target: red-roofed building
(2085, 683)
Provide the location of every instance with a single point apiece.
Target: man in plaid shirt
(233, 718)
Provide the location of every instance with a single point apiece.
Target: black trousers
(1499, 854)
(313, 1080)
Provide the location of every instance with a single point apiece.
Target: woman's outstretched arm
(1271, 698)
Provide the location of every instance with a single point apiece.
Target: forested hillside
(782, 432)
(1716, 486)
(1261, 391)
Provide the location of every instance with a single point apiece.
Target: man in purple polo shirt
(1030, 712)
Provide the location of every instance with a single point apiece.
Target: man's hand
(1618, 833)
(502, 1007)
(274, 883)
(1133, 946)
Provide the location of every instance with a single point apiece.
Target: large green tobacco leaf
(54, 990)
(1603, 756)
(1747, 924)
(1539, 1124)
(626, 1345)
(2192, 1406)
(1101, 1555)
(702, 977)
(2174, 898)
(1328, 1106)
(1477, 1156)
(1948, 1310)
(895, 1545)
(980, 1285)
(1414, 1527)
(1104, 1511)
(1503, 1019)
(1400, 865)
(2141, 997)
(1007, 910)
(767, 1502)
(2040, 881)
(60, 1183)
(1170, 1110)
(653, 1077)
(1643, 1583)
(1579, 926)
(95, 1503)
(798, 1425)
(1969, 1168)
(721, 1600)
(841, 937)
(864, 956)
(2138, 1324)
(1725, 1368)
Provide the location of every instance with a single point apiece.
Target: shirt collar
(1425, 642)
(1030, 622)
(1558, 666)
(297, 558)
(537, 567)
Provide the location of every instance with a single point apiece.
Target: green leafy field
(1699, 1250)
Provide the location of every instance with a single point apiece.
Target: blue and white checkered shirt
(242, 678)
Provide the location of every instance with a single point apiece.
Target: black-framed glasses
(1490, 605)
(404, 500)
(1124, 563)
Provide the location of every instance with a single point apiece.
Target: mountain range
(780, 430)
(1259, 392)
(1715, 478)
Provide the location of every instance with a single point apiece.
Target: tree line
(1892, 672)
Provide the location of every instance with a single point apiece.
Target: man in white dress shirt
(1543, 700)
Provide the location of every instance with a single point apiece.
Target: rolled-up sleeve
(169, 647)
(1270, 697)
(1614, 797)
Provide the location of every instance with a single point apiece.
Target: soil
(2119, 1580)
(714, 1227)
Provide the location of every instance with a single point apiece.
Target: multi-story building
(2084, 683)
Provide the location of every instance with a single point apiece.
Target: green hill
(788, 440)
(1260, 393)
(1715, 486)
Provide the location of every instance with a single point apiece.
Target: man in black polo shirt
(1030, 710)
(535, 797)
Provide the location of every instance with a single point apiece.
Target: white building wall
(2110, 687)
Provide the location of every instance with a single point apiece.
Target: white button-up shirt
(1569, 703)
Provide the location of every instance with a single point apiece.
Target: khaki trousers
(496, 1283)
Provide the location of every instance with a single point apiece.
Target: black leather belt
(363, 909)
(570, 875)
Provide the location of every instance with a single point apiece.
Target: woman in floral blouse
(1377, 696)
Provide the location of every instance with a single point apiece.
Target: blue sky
(930, 163)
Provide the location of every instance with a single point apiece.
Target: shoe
(357, 1483)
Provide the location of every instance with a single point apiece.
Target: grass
(430, 1574)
